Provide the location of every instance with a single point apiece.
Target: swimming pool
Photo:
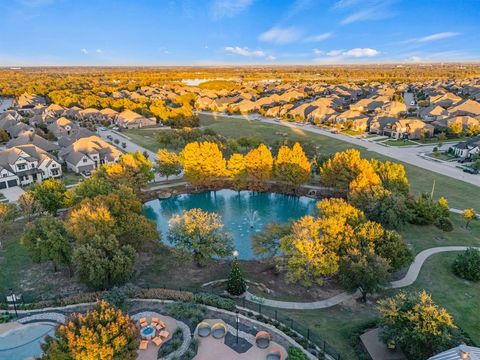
(243, 213)
(24, 342)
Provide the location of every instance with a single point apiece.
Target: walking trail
(407, 280)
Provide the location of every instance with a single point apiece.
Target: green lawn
(144, 137)
(399, 143)
(457, 192)
(71, 178)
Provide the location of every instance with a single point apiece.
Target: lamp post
(235, 254)
(12, 297)
(237, 313)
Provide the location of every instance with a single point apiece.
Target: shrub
(164, 294)
(171, 345)
(192, 351)
(189, 313)
(444, 224)
(215, 301)
(467, 265)
(118, 296)
(296, 354)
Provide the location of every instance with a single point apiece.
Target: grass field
(399, 143)
(71, 178)
(144, 137)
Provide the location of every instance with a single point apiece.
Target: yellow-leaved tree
(203, 163)
(237, 171)
(292, 166)
(259, 165)
(104, 333)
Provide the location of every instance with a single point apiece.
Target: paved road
(407, 280)
(132, 147)
(409, 155)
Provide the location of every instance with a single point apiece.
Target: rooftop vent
(464, 353)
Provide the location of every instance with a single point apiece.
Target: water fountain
(252, 217)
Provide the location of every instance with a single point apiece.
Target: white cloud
(334, 52)
(245, 51)
(84, 51)
(99, 51)
(338, 56)
(229, 8)
(280, 36)
(361, 52)
(319, 37)
(437, 36)
(364, 10)
(414, 59)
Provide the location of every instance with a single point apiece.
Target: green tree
(3, 136)
(8, 213)
(51, 194)
(201, 234)
(168, 163)
(101, 262)
(394, 249)
(416, 324)
(91, 187)
(48, 240)
(367, 272)
(467, 265)
(267, 242)
(236, 284)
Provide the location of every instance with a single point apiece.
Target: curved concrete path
(407, 280)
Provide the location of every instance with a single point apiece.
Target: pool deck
(7, 327)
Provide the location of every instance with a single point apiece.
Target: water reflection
(236, 209)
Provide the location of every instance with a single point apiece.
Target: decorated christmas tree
(236, 283)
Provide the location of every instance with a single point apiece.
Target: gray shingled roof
(455, 353)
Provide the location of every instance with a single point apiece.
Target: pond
(24, 342)
(243, 213)
(5, 104)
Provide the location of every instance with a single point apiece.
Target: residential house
(353, 119)
(63, 127)
(382, 125)
(411, 129)
(88, 153)
(445, 100)
(34, 139)
(466, 122)
(394, 108)
(91, 114)
(466, 149)
(26, 164)
(432, 113)
(467, 107)
(131, 120)
(461, 352)
(28, 101)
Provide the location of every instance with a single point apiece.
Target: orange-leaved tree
(104, 333)
(259, 165)
(292, 165)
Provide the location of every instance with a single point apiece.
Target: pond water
(5, 104)
(24, 342)
(243, 213)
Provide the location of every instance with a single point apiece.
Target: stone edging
(187, 336)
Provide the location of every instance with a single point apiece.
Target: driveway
(12, 194)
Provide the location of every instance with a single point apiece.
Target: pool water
(243, 213)
(147, 331)
(24, 342)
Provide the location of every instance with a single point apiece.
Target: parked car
(470, 170)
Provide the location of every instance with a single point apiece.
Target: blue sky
(217, 32)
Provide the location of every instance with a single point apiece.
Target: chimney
(464, 353)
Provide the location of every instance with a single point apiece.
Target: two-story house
(88, 153)
(26, 164)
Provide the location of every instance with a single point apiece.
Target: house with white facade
(88, 153)
(27, 164)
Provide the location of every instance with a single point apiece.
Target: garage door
(3, 185)
(12, 183)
